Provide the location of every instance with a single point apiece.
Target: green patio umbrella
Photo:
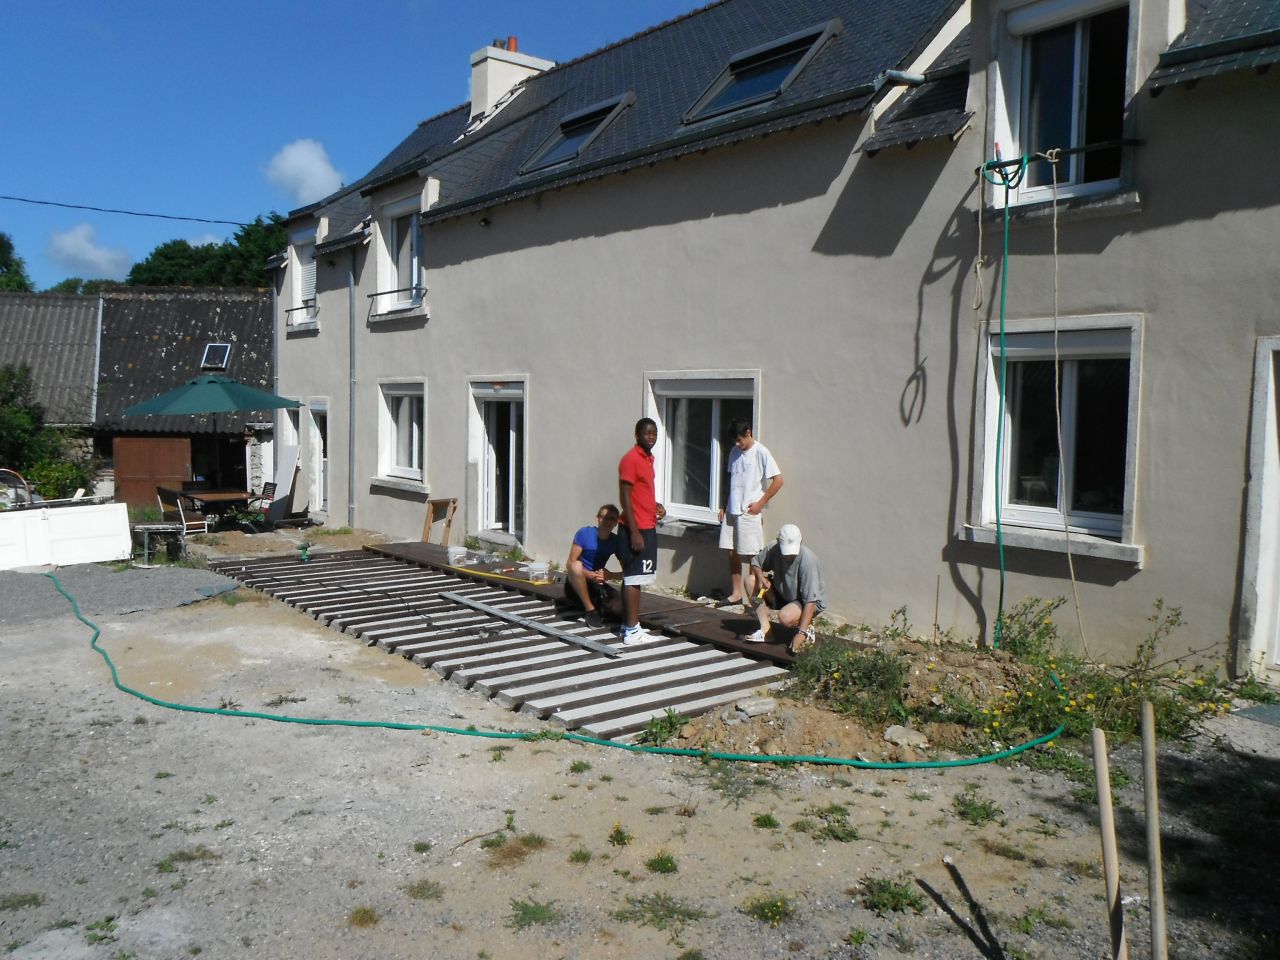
(209, 394)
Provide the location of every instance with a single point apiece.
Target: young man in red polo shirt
(637, 547)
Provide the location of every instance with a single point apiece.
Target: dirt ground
(132, 830)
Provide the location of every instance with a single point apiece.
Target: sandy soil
(241, 837)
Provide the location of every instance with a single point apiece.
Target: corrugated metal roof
(56, 335)
(667, 68)
(154, 340)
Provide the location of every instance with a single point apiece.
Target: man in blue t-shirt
(591, 550)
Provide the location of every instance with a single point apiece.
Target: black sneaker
(594, 620)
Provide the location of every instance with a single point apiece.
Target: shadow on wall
(696, 554)
(782, 169)
(884, 196)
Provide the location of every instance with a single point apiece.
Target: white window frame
(661, 385)
(1012, 25)
(388, 435)
(388, 280)
(302, 272)
(1079, 338)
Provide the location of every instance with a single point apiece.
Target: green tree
(27, 444)
(85, 287)
(13, 269)
(239, 262)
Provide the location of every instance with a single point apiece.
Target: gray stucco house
(789, 210)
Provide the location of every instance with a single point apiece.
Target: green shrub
(57, 479)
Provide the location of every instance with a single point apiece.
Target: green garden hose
(1008, 177)
(574, 737)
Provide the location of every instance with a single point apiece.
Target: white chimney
(496, 69)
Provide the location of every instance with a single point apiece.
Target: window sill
(1118, 203)
(302, 326)
(398, 483)
(1055, 541)
(417, 311)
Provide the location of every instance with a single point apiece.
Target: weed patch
(883, 895)
(363, 917)
(774, 910)
(867, 684)
(973, 809)
(659, 730)
(765, 821)
(19, 901)
(100, 931)
(663, 862)
(618, 836)
(425, 889)
(662, 911)
(528, 913)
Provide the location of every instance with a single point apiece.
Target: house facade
(780, 211)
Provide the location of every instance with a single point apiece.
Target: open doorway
(1260, 639)
(319, 443)
(500, 406)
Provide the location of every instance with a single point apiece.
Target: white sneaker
(638, 635)
(756, 636)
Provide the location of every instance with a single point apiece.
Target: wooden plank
(513, 696)
(623, 706)
(501, 677)
(623, 729)
(608, 695)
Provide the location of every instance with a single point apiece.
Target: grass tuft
(774, 910)
(363, 917)
(527, 913)
(883, 895)
(425, 889)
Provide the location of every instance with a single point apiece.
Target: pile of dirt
(803, 728)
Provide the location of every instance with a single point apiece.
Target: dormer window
(576, 132)
(216, 356)
(762, 73)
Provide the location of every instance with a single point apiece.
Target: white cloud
(303, 169)
(76, 251)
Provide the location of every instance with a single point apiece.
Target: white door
(502, 499)
(1261, 593)
(319, 455)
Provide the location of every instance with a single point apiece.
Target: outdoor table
(215, 504)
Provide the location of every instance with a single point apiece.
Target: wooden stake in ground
(1110, 858)
(1155, 865)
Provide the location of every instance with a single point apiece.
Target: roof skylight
(761, 73)
(576, 132)
(216, 356)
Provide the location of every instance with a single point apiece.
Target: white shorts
(743, 534)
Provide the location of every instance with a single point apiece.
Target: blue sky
(232, 109)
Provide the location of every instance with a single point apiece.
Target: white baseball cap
(789, 540)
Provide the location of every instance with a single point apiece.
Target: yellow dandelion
(1073, 703)
(928, 666)
(1088, 696)
(1068, 709)
(996, 723)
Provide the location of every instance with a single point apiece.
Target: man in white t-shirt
(754, 478)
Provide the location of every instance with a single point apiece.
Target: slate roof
(1221, 36)
(936, 108)
(667, 68)
(57, 337)
(154, 340)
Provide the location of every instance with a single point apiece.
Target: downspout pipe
(351, 390)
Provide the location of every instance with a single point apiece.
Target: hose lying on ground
(574, 737)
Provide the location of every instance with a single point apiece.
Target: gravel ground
(133, 831)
